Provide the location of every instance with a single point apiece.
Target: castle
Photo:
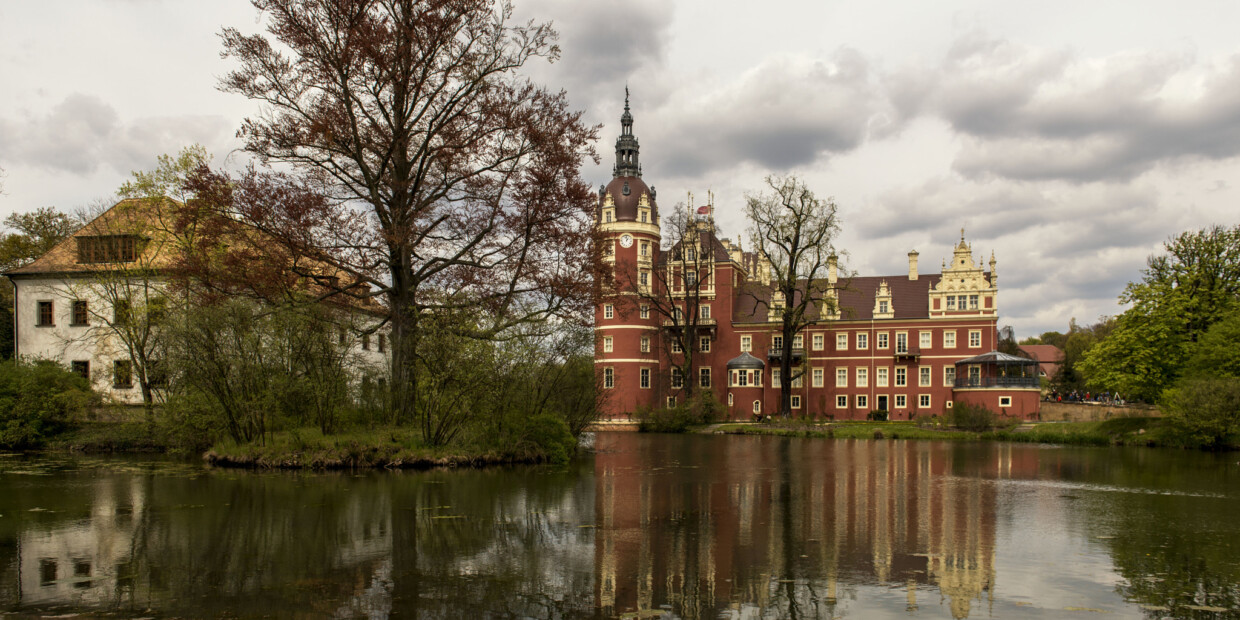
(910, 344)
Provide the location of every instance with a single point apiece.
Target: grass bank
(1115, 432)
(387, 448)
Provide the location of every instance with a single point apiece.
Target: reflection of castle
(774, 524)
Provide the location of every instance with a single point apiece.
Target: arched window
(757, 406)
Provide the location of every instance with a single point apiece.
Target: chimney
(912, 265)
(833, 269)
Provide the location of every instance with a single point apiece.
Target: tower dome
(627, 190)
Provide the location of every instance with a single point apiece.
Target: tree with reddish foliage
(449, 181)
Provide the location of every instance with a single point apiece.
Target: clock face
(626, 240)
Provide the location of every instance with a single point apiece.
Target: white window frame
(863, 401)
(819, 341)
(645, 311)
(884, 341)
(949, 376)
(678, 379)
(777, 375)
(841, 377)
(901, 401)
(975, 338)
(607, 344)
(676, 348)
(863, 377)
(704, 377)
(796, 401)
(973, 301)
(704, 311)
(609, 311)
(818, 377)
(747, 343)
(949, 339)
(841, 401)
(609, 377)
(901, 342)
(925, 339)
(757, 407)
(925, 376)
(1005, 401)
(901, 376)
(882, 376)
(863, 341)
(923, 401)
(951, 302)
(645, 344)
(947, 405)
(644, 379)
(704, 344)
(841, 342)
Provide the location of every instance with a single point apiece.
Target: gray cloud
(83, 133)
(788, 111)
(1039, 115)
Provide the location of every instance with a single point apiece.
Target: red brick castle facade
(910, 344)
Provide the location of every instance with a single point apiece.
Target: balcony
(909, 354)
(708, 325)
(998, 382)
(797, 354)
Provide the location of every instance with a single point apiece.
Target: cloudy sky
(1071, 138)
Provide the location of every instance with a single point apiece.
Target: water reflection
(682, 527)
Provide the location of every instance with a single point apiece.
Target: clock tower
(627, 343)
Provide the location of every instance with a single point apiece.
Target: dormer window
(108, 248)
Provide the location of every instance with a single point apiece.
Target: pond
(648, 526)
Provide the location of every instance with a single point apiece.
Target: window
(881, 379)
(643, 279)
(882, 340)
(676, 348)
(841, 342)
(882, 307)
(757, 378)
(671, 402)
(704, 311)
(678, 315)
(975, 338)
(120, 312)
(704, 377)
(863, 402)
(645, 246)
(645, 344)
(81, 368)
(81, 315)
(107, 249)
(366, 342)
(47, 314)
(609, 311)
(607, 344)
(949, 339)
(901, 377)
(926, 338)
(841, 402)
(609, 378)
(644, 312)
(678, 379)
(841, 377)
(122, 374)
(901, 401)
(746, 343)
(796, 401)
(704, 344)
(949, 376)
(863, 377)
(730, 399)
(863, 341)
(740, 378)
(645, 215)
(923, 376)
(951, 302)
(691, 278)
(975, 374)
(1005, 401)
(923, 401)
(901, 342)
(757, 406)
(819, 342)
(798, 342)
(776, 377)
(689, 255)
(382, 343)
(644, 380)
(973, 302)
(947, 405)
(798, 380)
(777, 343)
(818, 377)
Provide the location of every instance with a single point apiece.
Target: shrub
(541, 437)
(703, 409)
(1206, 410)
(878, 415)
(39, 401)
(969, 417)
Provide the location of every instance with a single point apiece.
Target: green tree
(1216, 354)
(1181, 295)
(1206, 409)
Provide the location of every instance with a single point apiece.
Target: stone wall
(1085, 412)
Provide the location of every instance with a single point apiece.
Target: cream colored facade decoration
(883, 306)
(964, 287)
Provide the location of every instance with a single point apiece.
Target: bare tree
(674, 287)
(794, 230)
(453, 181)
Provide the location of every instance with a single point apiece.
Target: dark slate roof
(910, 299)
(996, 357)
(718, 252)
(745, 361)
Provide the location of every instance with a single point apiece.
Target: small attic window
(108, 249)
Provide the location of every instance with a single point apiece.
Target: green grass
(123, 436)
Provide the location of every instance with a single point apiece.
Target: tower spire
(627, 164)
